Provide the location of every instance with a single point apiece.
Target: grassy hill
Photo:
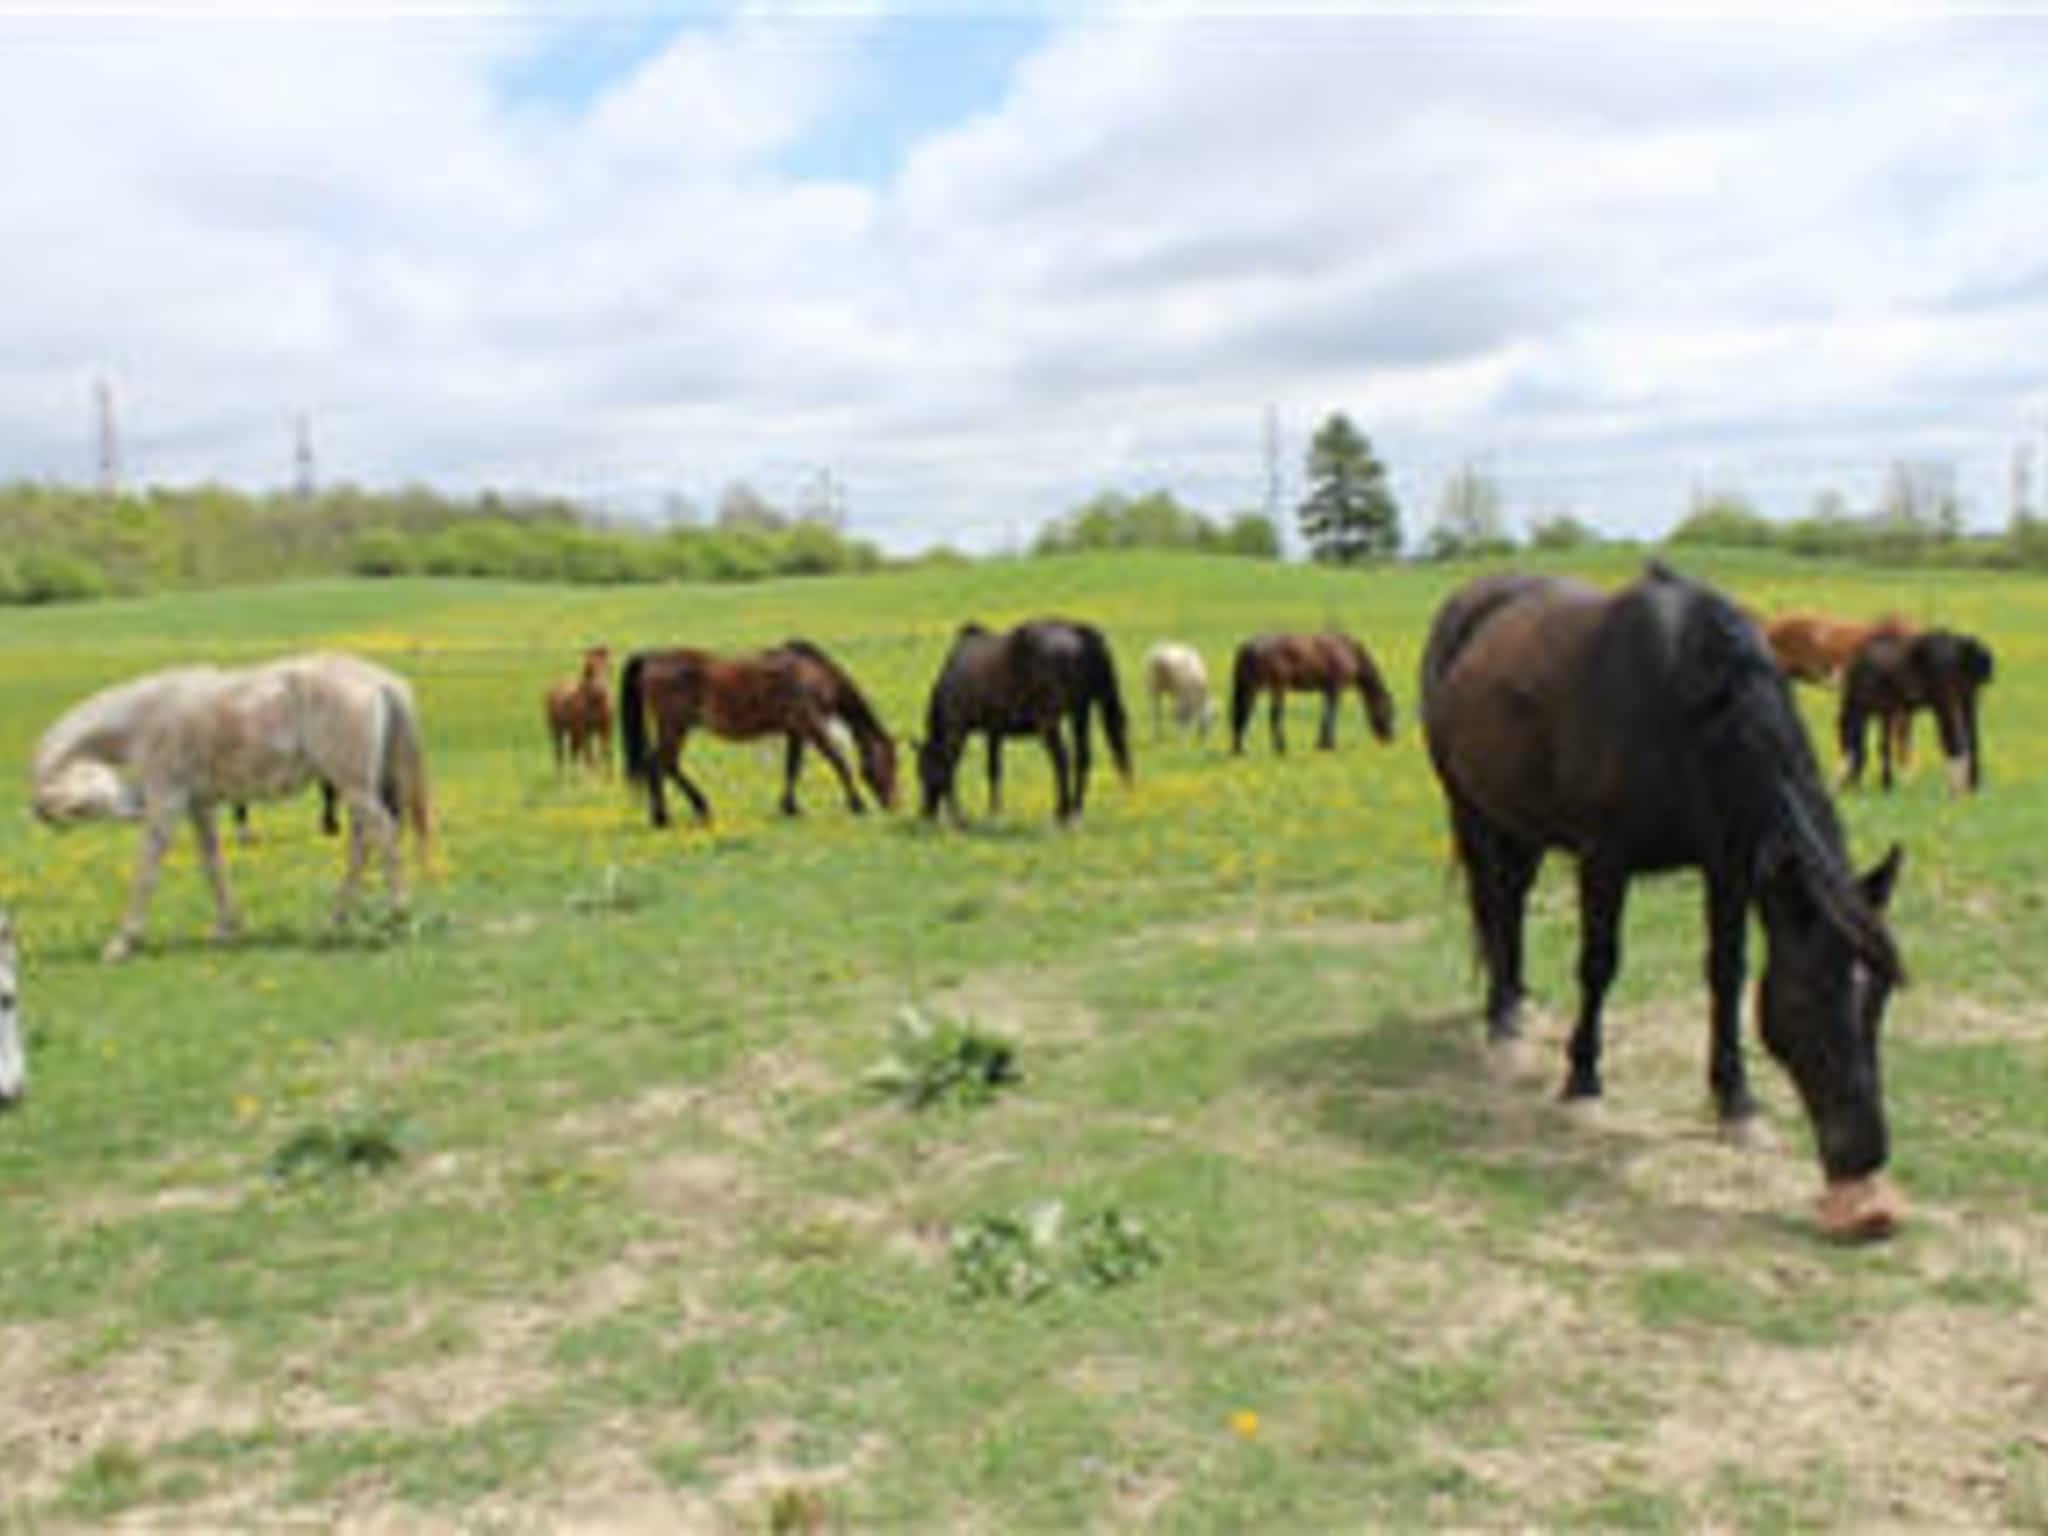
(654, 1253)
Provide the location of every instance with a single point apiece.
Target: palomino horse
(1327, 664)
(1815, 648)
(13, 1052)
(579, 713)
(182, 742)
(1893, 675)
(795, 691)
(1174, 671)
(1645, 731)
(1024, 682)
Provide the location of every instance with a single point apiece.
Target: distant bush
(1155, 520)
(51, 576)
(64, 545)
(1563, 532)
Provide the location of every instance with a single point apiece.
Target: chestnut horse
(1027, 681)
(1644, 731)
(1815, 648)
(1893, 675)
(579, 714)
(795, 690)
(1327, 664)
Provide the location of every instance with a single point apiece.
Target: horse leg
(1902, 738)
(829, 750)
(1159, 712)
(226, 921)
(673, 762)
(661, 762)
(243, 835)
(160, 822)
(1727, 935)
(1971, 743)
(330, 815)
(1083, 757)
(1603, 892)
(1056, 749)
(1326, 736)
(1498, 872)
(792, 765)
(1277, 715)
(360, 809)
(995, 771)
(1884, 750)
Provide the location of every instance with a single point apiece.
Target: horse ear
(1877, 882)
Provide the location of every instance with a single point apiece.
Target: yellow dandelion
(247, 1106)
(1245, 1423)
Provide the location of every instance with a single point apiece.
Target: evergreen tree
(1350, 513)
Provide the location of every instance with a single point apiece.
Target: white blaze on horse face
(13, 1056)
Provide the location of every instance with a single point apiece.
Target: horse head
(1829, 973)
(878, 766)
(84, 790)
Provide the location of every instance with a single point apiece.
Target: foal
(579, 714)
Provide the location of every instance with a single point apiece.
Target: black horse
(1649, 730)
(1025, 682)
(1890, 676)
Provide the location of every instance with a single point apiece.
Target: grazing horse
(1643, 731)
(1174, 671)
(182, 742)
(1023, 682)
(795, 690)
(1327, 664)
(13, 1052)
(579, 713)
(1893, 675)
(1815, 648)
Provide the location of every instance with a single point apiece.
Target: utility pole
(109, 442)
(1273, 466)
(2022, 483)
(304, 481)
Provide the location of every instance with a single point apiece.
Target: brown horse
(1327, 664)
(579, 714)
(1045, 678)
(795, 691)
(1647, 731)
(1893, 675)
(1816, 648)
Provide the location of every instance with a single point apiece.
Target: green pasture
(655, 1254)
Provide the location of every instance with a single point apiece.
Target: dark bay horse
(1893, 675)
(1650, 730)
(794, 690)
(1024, 682)
(1327, 664)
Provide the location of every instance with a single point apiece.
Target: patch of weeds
(2002, 1290)
(614, 891)
(368, 1144)
(797, 1511)
(935, 1059)
(1022, 1257)
(106, 1482)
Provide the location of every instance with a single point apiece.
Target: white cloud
(1611, 259)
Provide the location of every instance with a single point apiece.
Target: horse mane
(1759, 764)
(97, 728)
(848, 702)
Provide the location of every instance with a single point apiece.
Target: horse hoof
(1864, 1210)
(119, 947)
(224, 933)
(1585, 1110)
(1507, 1056)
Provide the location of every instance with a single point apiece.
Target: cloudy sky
(980, 264)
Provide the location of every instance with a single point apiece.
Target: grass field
(655, 1255)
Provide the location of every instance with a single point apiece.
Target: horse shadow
(1416, 1095)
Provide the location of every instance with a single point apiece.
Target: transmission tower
(303, 479)
(109, 441)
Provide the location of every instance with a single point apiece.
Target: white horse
(183, 742)
(1175, 671)
(13, 1052)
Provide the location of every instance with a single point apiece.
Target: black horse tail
(1099, 669)
(633, 751)
(1244, 690)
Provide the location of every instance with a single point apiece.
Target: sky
(979, 264)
